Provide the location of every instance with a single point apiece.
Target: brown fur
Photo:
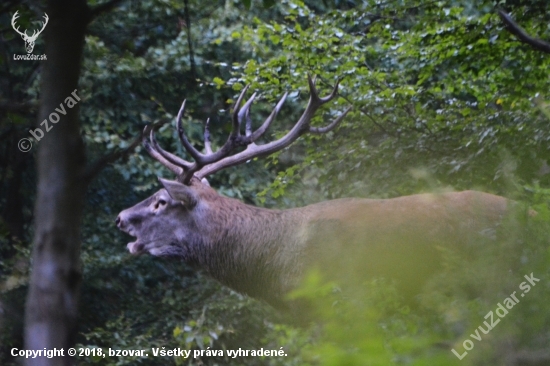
(264, 253)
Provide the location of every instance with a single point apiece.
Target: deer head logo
(29, 40)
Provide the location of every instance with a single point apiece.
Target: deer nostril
(117, 221)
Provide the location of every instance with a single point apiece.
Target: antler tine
(211, 162)
(167, 155)
(210, 157)
(246, 108)
(260, 131)
(301, 127)
(248, 128)
(157, 156)
(36, 32)
(236, 109)
(333, 93)
(245, 112)
(13, 21)
(313, 93)
(183, 138)
(207, 141)
(330, 126)
(44, 23)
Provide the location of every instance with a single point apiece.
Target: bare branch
(95, 168)
(362, 110)
(522, 35)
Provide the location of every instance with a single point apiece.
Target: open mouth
(148, 246)
(139, 247)
(135, 247)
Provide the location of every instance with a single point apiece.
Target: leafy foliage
(443, 96)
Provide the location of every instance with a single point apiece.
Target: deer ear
(180, 192)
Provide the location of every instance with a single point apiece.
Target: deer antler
(13, 20)
(44, 23)
(35, 33)
(211, 162)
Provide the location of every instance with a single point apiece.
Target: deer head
(29, 40)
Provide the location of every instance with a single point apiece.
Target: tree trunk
(51, 308)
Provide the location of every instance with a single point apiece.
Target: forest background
(444, 97)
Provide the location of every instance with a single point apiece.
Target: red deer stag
(264, 252)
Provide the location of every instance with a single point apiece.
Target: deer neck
(251, 249)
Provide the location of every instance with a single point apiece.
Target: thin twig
(95, 168)
(360, 109)
(189, 42)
